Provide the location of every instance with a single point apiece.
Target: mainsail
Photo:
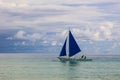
(73, 46)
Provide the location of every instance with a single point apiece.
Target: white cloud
(86, 21)
(97, 36)
(76, 31)
(45, 42)
(24, 36)
(23, 43)
(20, 35)
(54, 43)
(107, 28)
(9, 38)
(34, 37)
(101, 31)
(64, 33)
(48, 11)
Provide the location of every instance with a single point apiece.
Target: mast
(73, 46)
(67, 47)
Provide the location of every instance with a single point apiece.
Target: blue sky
(41, 25)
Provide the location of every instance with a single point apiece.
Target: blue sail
(73, 47)
(63, 51)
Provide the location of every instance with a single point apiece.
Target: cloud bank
(48, 21)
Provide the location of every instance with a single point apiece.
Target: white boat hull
(73, 59)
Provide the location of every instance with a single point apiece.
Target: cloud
(64, 33)
(46, 23)
(89, 20)
(102, 31)
(30, 14)
(54, 43)
(22, 35)
(23, 43)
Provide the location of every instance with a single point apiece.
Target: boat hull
(73, 59)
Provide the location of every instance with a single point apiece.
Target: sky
(41, 26)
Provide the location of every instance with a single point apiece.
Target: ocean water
(48, 67)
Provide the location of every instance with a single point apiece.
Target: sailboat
(73, 49)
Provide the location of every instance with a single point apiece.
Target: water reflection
(70, 63)
(73, 63)
(70, 69)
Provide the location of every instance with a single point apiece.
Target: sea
(24, 66)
